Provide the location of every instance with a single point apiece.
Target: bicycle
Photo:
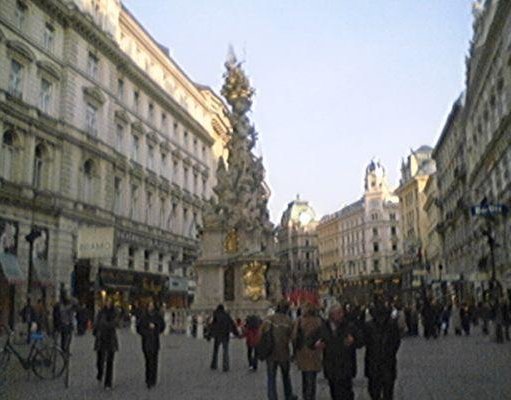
(47, 362)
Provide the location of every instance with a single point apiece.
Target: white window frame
(119, 137)
(49, 36)
(16, 73)
(91, 119)
(92, 65)
(20, 14)
(45, 96)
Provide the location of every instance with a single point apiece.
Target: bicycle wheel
(5, 356)
(48, 362)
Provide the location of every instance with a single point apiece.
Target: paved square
(451, 368)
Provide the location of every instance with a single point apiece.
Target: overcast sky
(337, 82)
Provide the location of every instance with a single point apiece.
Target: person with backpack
(278, 327)
(252, 335)
(307, 360)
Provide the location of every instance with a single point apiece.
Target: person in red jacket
(251, 334)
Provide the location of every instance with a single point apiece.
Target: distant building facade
(297, 251)
(360, 244)
(415, 172)
(99, 128)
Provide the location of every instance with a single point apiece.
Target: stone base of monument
(245, 286)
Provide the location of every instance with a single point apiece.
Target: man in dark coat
(150, 326)
(338, 339)
(221, 328)
(382, 340)
(106, 342)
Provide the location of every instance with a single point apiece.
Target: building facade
(415, 172)
(360, 243)
(297, 251)
(99, 128)
(476, 246)
(454, 222)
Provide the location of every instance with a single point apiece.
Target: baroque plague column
(237, 265)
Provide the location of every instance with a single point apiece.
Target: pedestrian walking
(251, 333)
(106, 342)
(221, 328)
(382, 338)
(445, 319)
(66, 310)
(150, 326)
(465, 318)
(307, 359)
(456, 318)
(337, 338)
(281, 327)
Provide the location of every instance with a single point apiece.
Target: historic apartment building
(454, 223)
(474, 154)
(360, 244)
(99, 128)
(415, 172)
(297, 251)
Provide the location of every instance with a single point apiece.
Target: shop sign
(95, 243)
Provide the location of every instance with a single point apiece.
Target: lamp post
(30, 238)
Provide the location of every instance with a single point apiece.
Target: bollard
(200, 327)
(189, 326)
(166, 318)
(133, 325)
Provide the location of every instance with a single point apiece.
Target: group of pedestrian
(318, 344)
(150, 325)
(439, 318)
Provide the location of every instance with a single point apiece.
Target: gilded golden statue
(231, 241)
(254, 280)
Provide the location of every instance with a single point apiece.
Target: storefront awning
(41, 272)
(11, 269)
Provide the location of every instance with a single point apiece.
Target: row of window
(22, 22)
(161, 212)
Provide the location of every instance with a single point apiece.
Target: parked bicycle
(46, 361)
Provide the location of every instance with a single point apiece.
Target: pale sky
(337, 82)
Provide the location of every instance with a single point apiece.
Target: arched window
(9, 154)
(88, 181)
(40, 166)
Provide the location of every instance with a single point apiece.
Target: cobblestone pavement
(451, 368)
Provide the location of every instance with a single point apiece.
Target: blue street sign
(488, 210)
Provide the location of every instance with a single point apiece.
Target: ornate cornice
(21, 49)
(94, 94)
(122, 116)
(49, 68)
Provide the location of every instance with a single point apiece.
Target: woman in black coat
(382, 341)
(106, 342)
(150, 326)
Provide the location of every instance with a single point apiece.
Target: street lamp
(30, 238)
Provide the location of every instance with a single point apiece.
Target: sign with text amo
(95, 243)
